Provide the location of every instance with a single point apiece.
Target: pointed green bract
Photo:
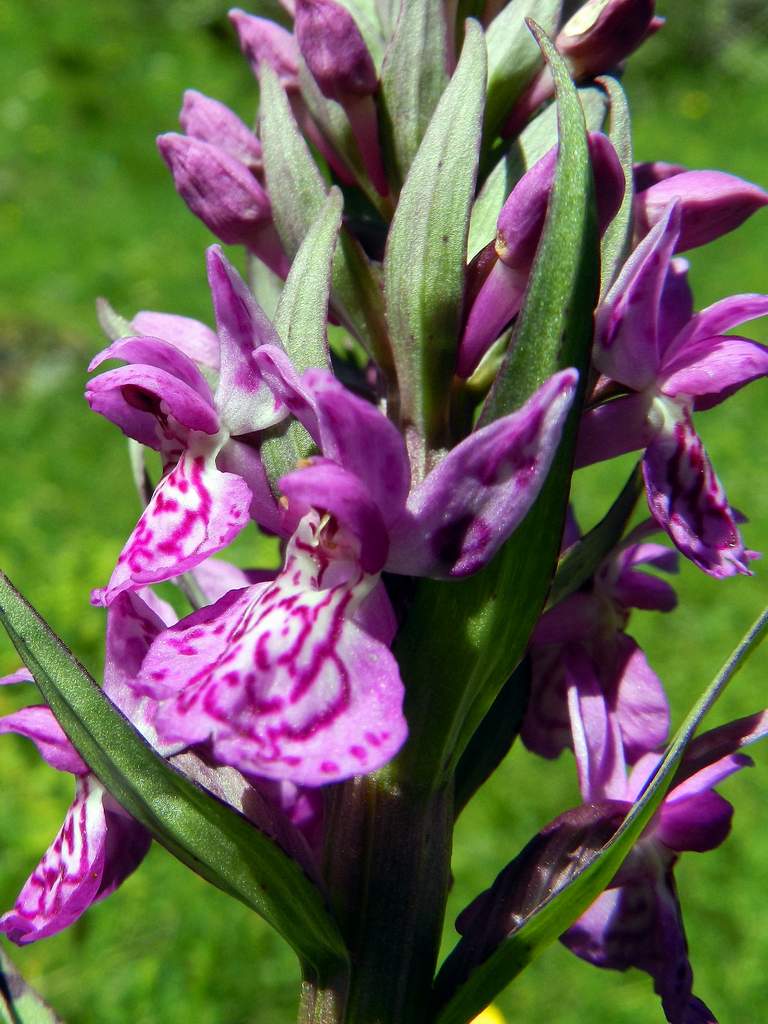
(617, 238)
(557, 913)
(298, 192)
(300, 320)
(413, 78)
(202, 832)
(425, 260)
(20, 1004)
(302, 311)
(513, 56)
(495, 610)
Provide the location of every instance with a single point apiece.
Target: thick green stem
(388, 872)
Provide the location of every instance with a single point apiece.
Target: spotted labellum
(446, 290)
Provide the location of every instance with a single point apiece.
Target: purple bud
(224, 195)
(712, 203)
(652, 172)
(216, 187)
(263, 40)
(603, 32)
(209, 121)
(334, 50)
(518, 230)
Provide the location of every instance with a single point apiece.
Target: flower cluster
(281, 681)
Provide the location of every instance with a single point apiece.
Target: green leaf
(471, 634)
(542, 133)
(542, 341)
(20, 1004)
(617, 238)
(582, 560)
(301, 321)
(332, 120)
(302, 312)
(425, 259)
(413, 78)
(205, 834)
(111, 322)
(556, 914)
(513, 56)
(298, 194)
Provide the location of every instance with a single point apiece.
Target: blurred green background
(87, 208)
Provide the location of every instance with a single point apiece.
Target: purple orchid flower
(581, 652)
(499, 273)
(278, 677)
(454, 521)
(637, 921)
(213, 482)
(99, 845)
(672, 362)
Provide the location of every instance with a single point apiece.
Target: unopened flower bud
(209, 121)
(603, 32)
(263, 40)
(334, 49)
(712, 203)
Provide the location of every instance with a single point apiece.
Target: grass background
(87, 208)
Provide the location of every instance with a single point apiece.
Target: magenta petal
(712, 203)
(156, 352)
(280, 680)
(638, 699)
(195, 511)
(627, 347)
(469, 504)
(641, 590)
(139, 399)
(327, 487)
(613, 429)
(39, 724)
(195, 339)
(711, 746)
(244, 400)
(652, 172)
(360, 438)
(716, 319)
(210, 121)
(595, 734)
(688, 501)
(287, 386)
(712, 369)
(700, 823)
(21, 675)
(84, 863)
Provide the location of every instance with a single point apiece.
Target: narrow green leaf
(111, 322)
(204, 833)
(302, 312)
(301, 320)
(425, 259)
(332, 120)
(616, 240)
(471, 634)
(20, 1004)
(413, 78)
(513, 56)
(583, 559)
(557, 913)
(298, 194)
(542, 133)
